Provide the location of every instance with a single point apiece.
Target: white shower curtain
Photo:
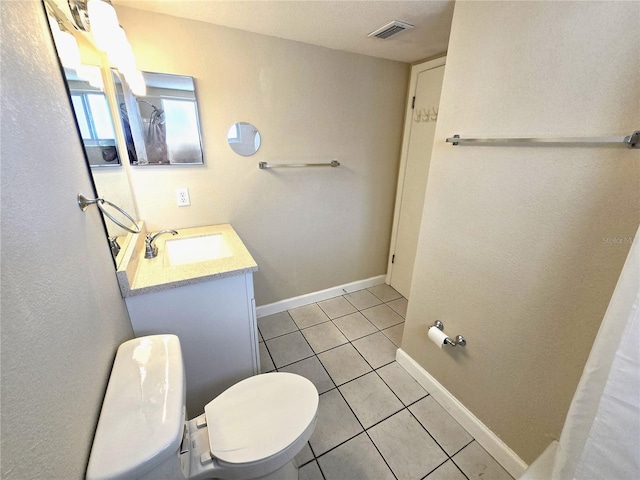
(600, 439)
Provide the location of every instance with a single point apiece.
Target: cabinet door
(216, 327)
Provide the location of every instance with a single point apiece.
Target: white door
(420, 126)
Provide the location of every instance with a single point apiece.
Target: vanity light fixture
(121, 55)
(99, 18)
(103, 23)
(69, 54)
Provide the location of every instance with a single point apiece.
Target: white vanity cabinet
(216, 324)
(210, 306)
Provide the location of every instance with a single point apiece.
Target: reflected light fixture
(66, 45)
(136, 83)
(99, 18)
(69, 54)
(103, 23)
(91, 75)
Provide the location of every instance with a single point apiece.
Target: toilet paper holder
(459, 338)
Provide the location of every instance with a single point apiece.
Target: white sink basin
(182, 251)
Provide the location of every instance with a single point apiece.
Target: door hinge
(413, 103)
(393, 258)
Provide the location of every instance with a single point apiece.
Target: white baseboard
(283, 305)
(499, 450)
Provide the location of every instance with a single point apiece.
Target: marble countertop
(138, 275)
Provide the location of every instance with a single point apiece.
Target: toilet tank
(143, 416)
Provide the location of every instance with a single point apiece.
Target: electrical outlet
(182, 195)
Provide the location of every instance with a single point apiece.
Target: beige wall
(62, 314)
(308, 229)
(513, 251)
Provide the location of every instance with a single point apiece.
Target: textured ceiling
(341, 25)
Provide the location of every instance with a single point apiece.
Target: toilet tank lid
(142, 417)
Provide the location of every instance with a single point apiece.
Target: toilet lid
(260, 416)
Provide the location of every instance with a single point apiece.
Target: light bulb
(104, 23)
(66, 45)
(68, 50)
(120, 53)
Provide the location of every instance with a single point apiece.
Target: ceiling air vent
(390, 29)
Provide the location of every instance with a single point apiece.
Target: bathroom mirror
(166, 121)
(244, 138)
(93, 116)
(94, 96)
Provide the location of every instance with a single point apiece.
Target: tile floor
(375, 421)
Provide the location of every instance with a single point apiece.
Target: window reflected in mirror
(93, 116)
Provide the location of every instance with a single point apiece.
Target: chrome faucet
(115, 246)
(151, 250)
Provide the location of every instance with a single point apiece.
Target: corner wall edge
(499, 450)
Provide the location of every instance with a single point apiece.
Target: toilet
(253, 430)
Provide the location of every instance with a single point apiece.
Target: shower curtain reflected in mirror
(166, 120)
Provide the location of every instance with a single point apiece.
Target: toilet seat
(260, 417)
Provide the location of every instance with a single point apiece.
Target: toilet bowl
(253, 430)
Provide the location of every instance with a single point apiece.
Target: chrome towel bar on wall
(263, 165)
(633, 140)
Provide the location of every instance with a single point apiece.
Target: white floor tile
(336, 307)
(310, 471)
(344, 363)
(308, 315)
(304, 456)
(355, 326)
(311, 369)
(288, 348)
(370, 399)
(399, 306)
(395, 333)
(376, 349)
(442, 426)
(382, 316)
(406, 446)
(336, 423)
(385, 292)
(477, 464)
(402, 384)
(447, 471)
(363, 299)
(266, 364)
(324, 336)
(275, 325)
(357, 459)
